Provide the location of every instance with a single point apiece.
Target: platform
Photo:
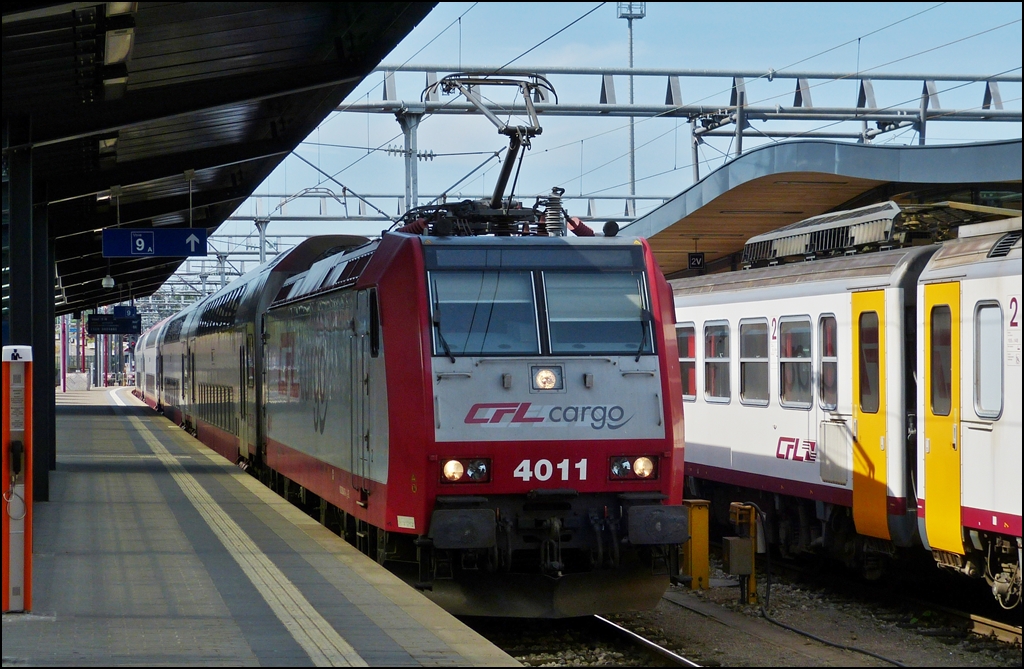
(154, 550)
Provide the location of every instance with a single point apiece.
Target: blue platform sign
(153, 242)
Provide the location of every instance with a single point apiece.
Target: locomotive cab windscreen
(544, 300)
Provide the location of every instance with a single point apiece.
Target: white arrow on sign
(192, 240)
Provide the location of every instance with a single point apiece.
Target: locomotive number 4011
(543, 469)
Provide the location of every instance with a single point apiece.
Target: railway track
(923, 597)
(993, 628)
(660, 652)
(591, 641)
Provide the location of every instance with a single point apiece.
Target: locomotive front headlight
(546, 378)
(621, 467)
(453, 470)
(643, 467)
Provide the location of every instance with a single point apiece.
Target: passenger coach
(867, 402)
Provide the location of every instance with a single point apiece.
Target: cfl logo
(798, 450)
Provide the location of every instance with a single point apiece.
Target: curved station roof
(778, 184)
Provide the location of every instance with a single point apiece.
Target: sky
(589, 156)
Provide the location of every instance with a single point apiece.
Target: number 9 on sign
(142, 243)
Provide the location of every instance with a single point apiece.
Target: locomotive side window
(942, 360)
(483, 313)
(795, 362)
(597, 313)
(868, 357)
(716, 362)
(754, 362)
(686, 339)
(828, 363)
(988, 360)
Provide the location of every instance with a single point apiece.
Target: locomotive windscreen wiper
(645, 316)
(437, 325)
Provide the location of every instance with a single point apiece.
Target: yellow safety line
(325, 647)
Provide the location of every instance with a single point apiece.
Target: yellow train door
(869, 414)
(942, 485)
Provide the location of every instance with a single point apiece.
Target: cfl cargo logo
(597, 417)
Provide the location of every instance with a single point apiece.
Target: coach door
(359, 380)
(869, 414)
(942, 484)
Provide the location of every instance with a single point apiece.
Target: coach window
(686, 339)
(754, 362)
(483, 313)
(868, 356)
(828, 364)
(716, 362)
(942, 361)
(795, 362)
(988, 360)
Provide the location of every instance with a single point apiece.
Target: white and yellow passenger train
(867, 402)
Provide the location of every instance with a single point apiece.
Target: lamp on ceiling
(118, 40)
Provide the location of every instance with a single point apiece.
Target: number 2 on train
(543, 469)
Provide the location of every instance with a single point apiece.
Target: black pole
(42, 355)
(51, 358)
(19, 165)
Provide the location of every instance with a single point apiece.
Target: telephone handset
(17, 454)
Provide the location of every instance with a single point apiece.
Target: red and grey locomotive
(476, 400)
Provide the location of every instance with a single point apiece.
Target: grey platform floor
(154, 550)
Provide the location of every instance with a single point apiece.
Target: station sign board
(153, 242)
(696, 260)
(107, 324)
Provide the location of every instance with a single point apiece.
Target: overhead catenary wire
(583, 171)
(366, 148)
(897, 60)
(347, 189)
(765, 75)
(830, 81)
(908, 101)
(707, 161)
(432, 40)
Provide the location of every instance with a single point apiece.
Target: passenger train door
(942, 476)
(359, 379)
(870, 515)
(246, 391)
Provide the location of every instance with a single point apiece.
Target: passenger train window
(483, 313)
(870, 398)
(942, 360)
(716, 362)
(795, 362)
(754, 362)
(828, 363)
(988, 360)
(686, 339)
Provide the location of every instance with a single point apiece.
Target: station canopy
(781, 183)
(147, 114)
